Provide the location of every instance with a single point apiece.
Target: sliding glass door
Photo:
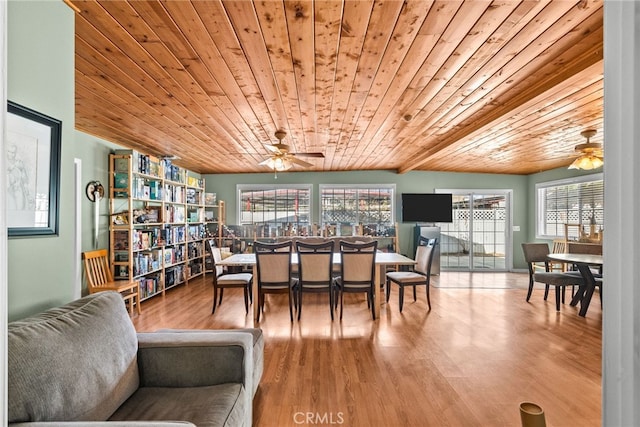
(478, 238)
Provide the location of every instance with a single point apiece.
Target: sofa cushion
(258, 349)
(210, 406)
(75, 362)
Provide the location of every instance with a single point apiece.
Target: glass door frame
(508, 256)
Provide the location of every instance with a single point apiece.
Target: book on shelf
(121, 256)
(121, 165)
(120, 180)
(193, 181)
(121, 240)
(168, 256)
(191, 196)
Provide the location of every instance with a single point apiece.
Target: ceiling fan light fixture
(587, 162)
(281, 164)
(590, 153)
(278, 164)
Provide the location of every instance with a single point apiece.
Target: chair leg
(331, 303)
(401, 297)
(557, 298)
(373, 307)
(341, 303)
(246, 300)
(215, 298)
(530, 288)
(428, 297)
(221, 293)
(290, 306)
(414, 293)
(388, 290)
(298, 302)
(140, 310)
(546, 292)
(260, 305)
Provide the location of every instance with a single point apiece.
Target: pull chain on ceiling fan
(282, 158)
(591, 155)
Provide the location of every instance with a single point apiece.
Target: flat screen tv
(427, 207)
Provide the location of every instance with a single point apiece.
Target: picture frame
(33, 152)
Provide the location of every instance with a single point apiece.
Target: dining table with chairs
(382, 261)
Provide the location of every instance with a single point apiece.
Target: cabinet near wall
(158, 222)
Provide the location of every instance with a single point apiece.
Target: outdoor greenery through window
(355, 210)
(281, 211)
(576, 201)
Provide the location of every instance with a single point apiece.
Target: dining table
(584, 263)
(382, 261)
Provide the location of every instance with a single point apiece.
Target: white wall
(621, 312)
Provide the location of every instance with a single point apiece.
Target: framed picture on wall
(33, 172)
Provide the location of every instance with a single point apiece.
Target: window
(349, 206)
(280, 211)
(575, 201)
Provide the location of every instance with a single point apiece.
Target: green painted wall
(94, 153)
(225, 187)
(40, 75)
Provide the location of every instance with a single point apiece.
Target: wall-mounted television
(427, 207)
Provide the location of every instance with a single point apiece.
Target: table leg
(376, 292)
(590, 286)
(256, 297)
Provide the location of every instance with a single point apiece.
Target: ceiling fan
(282, 158)
(591, 155)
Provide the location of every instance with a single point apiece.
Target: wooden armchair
(99, 278)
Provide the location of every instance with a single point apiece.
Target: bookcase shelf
(158, 222)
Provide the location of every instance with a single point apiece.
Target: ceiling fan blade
(299, 162)
(273, 148)
(318, 155)
(268, 162)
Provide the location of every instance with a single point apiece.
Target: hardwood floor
(470, 361)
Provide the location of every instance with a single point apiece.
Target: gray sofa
(84, 364)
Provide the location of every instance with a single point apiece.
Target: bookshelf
(157, 222)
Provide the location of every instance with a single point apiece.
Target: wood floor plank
(470, 361)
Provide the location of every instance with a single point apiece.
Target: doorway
(478, 239)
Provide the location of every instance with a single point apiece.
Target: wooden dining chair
(419, 276)
(223, 280)
(535, 254)
(99, 278)
(357, 272)
(273, 263)
(558, 247)
(315, 272)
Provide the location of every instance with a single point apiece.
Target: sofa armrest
(104, 424)
(185, 359)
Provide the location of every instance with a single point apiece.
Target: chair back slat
(584, 248)
(96, 267)
(315, 262)
(535, 252)
(216, 256)
(358, 262)
(424, 257)
(273, 261)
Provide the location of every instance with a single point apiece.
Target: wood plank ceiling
(468, 86)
